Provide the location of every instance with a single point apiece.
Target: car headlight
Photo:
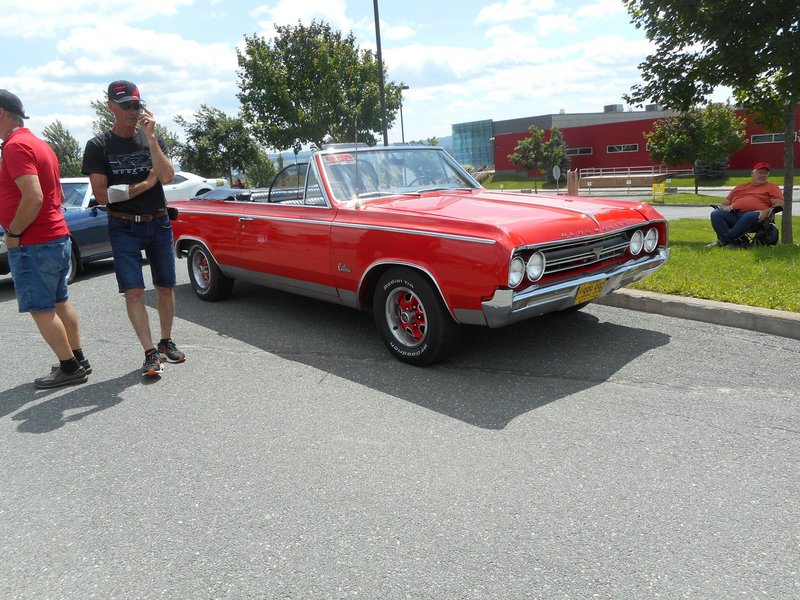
(636, 243)
(516, 271)
(535, 267)
(651, 240)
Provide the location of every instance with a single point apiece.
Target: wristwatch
(10, 233)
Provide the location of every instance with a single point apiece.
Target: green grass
(766, 277)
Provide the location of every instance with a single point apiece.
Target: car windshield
(74, 193)
(372, 172)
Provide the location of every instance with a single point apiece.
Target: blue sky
(463, 60)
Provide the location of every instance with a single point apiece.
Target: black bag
(767, 234)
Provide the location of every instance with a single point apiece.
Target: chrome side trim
(287, 284)
(436, 234)
(507, 306)
(446, 236)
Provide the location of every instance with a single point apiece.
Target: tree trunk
(788, 173)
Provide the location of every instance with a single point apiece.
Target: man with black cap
(127, 167)
(38, 243)
(746, 205)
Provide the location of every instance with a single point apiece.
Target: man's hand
(12, 242)
(147, 122)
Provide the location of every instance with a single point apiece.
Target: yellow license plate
(589, 291)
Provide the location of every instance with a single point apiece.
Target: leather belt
(138, 218)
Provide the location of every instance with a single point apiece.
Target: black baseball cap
(12, 104)
(122, 91)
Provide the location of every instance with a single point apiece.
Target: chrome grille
(583, 254)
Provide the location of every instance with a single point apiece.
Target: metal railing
(647, 170)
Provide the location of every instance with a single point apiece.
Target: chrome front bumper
(508, 306)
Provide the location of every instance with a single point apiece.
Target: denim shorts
(129, 238)
(40, 272)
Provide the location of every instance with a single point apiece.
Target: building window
(767, 138)
(577, 151)
(622, 148)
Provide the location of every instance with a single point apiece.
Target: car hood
(524, 218)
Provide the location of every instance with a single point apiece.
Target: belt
(138, 218)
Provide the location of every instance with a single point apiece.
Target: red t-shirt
(748, 196)
(25, 154)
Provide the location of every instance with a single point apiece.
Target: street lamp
(402, 130)
(380, 72)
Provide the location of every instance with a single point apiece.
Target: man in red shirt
(746, 206)
(38, 242)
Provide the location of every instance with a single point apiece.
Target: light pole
(380, 72)
(402, 130)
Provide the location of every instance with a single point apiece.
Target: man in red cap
(746, 205)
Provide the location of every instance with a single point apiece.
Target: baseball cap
(12, 104)
(122, 91)
(762, 165)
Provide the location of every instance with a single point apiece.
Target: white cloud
(513, 10)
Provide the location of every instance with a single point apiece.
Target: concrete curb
(775, 322)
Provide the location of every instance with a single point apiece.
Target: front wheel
(412, 319)
(208, 281)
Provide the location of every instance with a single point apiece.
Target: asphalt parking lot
(608, 454)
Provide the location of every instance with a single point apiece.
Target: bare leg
(54, 333)
(69, 318)
(166, 310)
(137, 313)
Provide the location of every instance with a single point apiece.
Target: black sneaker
(169, 352)
(84, 363)
(152, 364)
(58, 379)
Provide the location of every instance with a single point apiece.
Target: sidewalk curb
(775, 322)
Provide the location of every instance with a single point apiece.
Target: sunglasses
(130, 104)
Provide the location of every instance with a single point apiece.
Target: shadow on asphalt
(495, 376)
(86, 399)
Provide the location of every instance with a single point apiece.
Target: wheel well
(371, 280)
(183, 245)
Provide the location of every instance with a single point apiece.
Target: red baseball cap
(761, 165)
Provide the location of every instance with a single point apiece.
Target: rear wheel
(208, 281)
(74, 266)
(412, 318)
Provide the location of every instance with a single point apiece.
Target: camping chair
(765, 233)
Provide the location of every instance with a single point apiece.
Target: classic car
(189, 185)
(406, 232)
(88, 226)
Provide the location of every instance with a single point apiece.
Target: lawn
(767, 277)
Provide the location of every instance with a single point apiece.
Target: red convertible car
(407, 233)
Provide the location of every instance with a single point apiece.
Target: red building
(611, 139)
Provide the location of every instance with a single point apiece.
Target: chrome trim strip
(507, 306)
(287, 284)
(447, 236)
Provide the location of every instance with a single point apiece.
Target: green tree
(700, 136)
(555, 154)
(535, 154)
(260, 170)
(752, 47)
(66, 147)
(216, 145)
(105, 121)
(312, 84)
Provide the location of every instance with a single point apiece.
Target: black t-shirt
(125, 160)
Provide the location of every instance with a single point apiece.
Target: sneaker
(717, 244)
(58, 379)
(84, 363)
(152, 364)
(169, 352)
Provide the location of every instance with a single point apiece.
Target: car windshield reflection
(356, 173)
(74, 194)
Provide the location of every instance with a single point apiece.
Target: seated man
(746, 205)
